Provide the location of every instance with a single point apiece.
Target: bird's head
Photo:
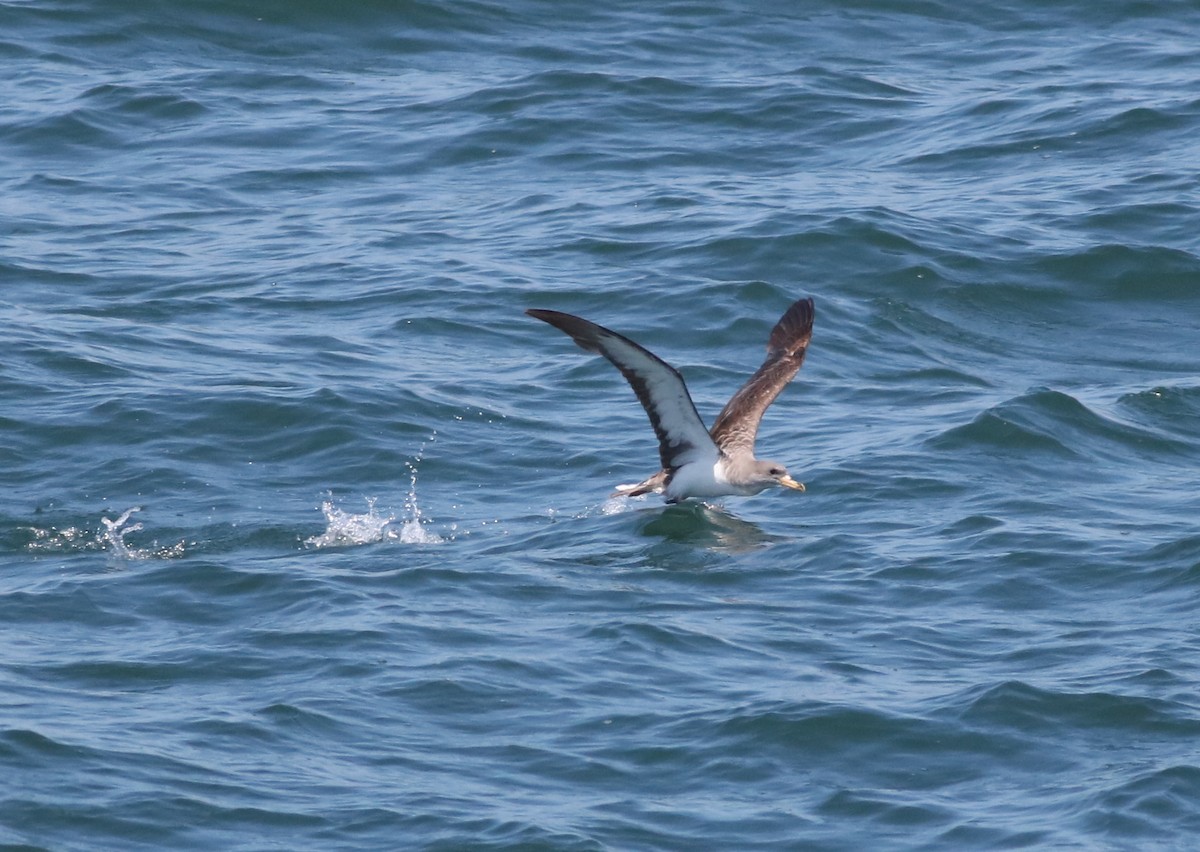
(773, 473)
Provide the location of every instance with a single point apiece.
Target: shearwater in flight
(698, 462)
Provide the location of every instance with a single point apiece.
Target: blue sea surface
(306, 540)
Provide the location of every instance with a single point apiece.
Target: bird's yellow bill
(791, 483)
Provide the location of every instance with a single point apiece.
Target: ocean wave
(1051, 421)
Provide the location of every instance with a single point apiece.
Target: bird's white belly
(702, 480)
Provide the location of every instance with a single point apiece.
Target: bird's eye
(777, 471)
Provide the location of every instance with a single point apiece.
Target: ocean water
(305, 540)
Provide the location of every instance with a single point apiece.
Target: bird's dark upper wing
(737, 425)
(682, 437)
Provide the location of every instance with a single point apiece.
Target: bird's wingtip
(794, 328)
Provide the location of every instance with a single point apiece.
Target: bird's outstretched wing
(682, 437)
(736, 426)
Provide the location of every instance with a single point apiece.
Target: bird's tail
(653, 485)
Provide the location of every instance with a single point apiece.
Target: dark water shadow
(705, 526)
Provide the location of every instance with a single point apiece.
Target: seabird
(698, 462)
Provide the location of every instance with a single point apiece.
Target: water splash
(617, 505)
(55, 540)
(110, 537)
(415, 529)
(114, 532)
(113, 537)
(343, 529)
